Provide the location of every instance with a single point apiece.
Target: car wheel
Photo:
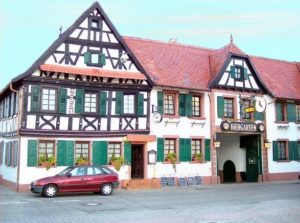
(106, 189)
(50, 190)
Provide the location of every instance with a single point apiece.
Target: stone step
(138, 184)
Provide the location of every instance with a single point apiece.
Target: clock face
(157, 118)
(261, 127)
(260, 104)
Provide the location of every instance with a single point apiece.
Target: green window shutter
(160, 149)
(220, 104)
(140, 103)
(79, 102)
(182, 104)
(291, 112)
(103, 103)
(259, 116)
(87, 57)
(160, 102)
(62, 107)
(207, 149)
(275, 150)
(35, 98)
(32, 153)
(232, 71)
(296, 150)
(69, 153)
(189, 105)
(279, 112)
(246, 75)
(61, 153)
(127, 153)
(291, 150)
(185, 150)
(119, 103)
(100, 152)
(102, 59)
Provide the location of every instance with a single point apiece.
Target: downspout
(17, 133)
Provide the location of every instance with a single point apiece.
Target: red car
(78, 179)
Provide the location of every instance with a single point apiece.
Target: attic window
(239, 73)
(94, 23)
(94, 58)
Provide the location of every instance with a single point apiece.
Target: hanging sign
(242, 126)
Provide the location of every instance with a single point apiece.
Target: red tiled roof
(185, 66)
(96, 72)
(172, 64)
(282, 78)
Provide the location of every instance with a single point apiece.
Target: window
(94, 58)
(196, 147)
(129, 104)
(170, 146)
(1, 151)
(246, 104)
(48, 99)
(81, 151)
(282, 150)
(46, 149)
(90, 103)
(298, 148)
(196, 106)
(114, 149)
(238, 72)
(280, 111)
(169, 102)
(228, 107)
(95, 24)
(298, 113)
(78, 171)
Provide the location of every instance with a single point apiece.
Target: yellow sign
(249, 110)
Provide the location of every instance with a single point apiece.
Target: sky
(267, 28)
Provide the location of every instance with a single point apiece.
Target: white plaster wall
(29, 174)
(275, 131)
(184, 129)
(8, 172)
(230, 150)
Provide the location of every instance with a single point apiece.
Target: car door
(76, 181)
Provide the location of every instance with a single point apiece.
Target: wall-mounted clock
(157, 117)
(260, 104)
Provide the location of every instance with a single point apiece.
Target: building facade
(164, 109)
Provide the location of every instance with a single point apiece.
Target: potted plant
(117, 162)
(46, 161)
(82, 161)
(171, 158)
(198, 157)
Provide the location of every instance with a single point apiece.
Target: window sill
(171, 116)
(283, 161)
(282, 122)
(197, 118)
(197, 162)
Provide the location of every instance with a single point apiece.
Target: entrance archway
(229, 172)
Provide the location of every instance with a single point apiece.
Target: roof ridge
(164, 42)
(267, 58)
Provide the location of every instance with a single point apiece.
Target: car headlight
(36, 183)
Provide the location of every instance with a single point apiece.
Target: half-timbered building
(170, 109)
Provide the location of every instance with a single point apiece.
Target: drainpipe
(17, 133)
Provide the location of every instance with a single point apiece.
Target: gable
(91, 42)
(238, 74)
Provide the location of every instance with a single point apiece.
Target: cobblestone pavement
(246, 202)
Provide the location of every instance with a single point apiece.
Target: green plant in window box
(46, 161)
(171, 158)
(117, 162)
(82, 161)
(198, 157)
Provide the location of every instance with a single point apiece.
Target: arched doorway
(229, 172)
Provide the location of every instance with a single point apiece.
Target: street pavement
(244, 202)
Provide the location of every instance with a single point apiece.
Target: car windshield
(65, 171)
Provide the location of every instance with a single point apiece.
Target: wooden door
(137, 166)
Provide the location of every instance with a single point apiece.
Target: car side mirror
(69, 174)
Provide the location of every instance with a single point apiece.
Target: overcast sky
(268, 28)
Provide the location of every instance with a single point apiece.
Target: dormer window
(94, 58)
(239, 72)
